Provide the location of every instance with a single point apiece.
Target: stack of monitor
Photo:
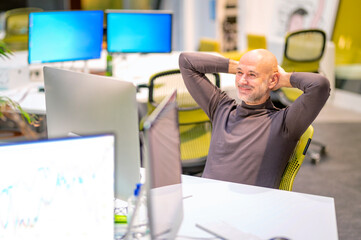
(58, 36)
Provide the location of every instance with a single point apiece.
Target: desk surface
(262, 212)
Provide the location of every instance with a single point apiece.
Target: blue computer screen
(139, 32)
(65, 36)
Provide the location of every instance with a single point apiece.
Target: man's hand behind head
(283, 79)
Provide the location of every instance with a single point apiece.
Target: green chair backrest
(296, 160)
(255, 41)
(209, 45)
(163, 83)
(194, 125)
(17, 27)
(304, 50)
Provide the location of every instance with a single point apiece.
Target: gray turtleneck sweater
(250, 144)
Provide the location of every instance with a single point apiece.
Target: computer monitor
(163, 170)
(81, 104)
(135, 31)
(59, 36)
(57, 189)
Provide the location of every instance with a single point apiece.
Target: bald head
(257, 74)
(262, 59)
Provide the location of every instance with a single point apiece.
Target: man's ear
(273, 81)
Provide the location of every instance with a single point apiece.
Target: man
(252, 141)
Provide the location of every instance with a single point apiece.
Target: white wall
(192, 19)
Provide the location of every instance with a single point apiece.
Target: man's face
(252, 82)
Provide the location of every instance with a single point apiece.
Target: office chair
(209, 45)
(194, 125)
(347, 64)
(17, 27)
(254, 41)
(296, 160)
(303, 52)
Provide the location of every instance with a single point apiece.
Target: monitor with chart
(163, 170)
(57, 189)
(135, 31)
(59, 36)
(82, 104)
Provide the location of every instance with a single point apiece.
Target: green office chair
(254, 41)
(209, 45)
(17, 27)
(194, 125)
(296, 160)
(303, 52)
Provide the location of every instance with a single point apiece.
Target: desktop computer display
(65, 36)
(82, 104)
(163, 170)
(139, 31)
(57, 189)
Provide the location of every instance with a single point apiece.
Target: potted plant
(4, 50)
(14, 121)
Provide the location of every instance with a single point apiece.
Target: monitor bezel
(170, 189)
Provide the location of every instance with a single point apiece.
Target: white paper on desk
(225, 231)
(72, 134)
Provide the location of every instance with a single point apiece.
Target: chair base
(315, 155)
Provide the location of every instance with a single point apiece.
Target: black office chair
(194, 125)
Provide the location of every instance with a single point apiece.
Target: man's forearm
(203, 62)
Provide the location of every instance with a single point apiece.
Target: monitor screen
(139, 31)
(65, 36)
(57, 189)
(82, 104)
(163, 170)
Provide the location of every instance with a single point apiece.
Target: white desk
(262, 212)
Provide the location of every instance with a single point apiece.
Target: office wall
(49, 4)
(44, 4)
(253, 17)
(192, 20)
(7, 5)
(272, 18)
(205, 17)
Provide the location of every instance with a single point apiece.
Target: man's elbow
(183, 60)
(324, 87)
(324, 84)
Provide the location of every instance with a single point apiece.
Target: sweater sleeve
(304, 110)
(193, 67)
